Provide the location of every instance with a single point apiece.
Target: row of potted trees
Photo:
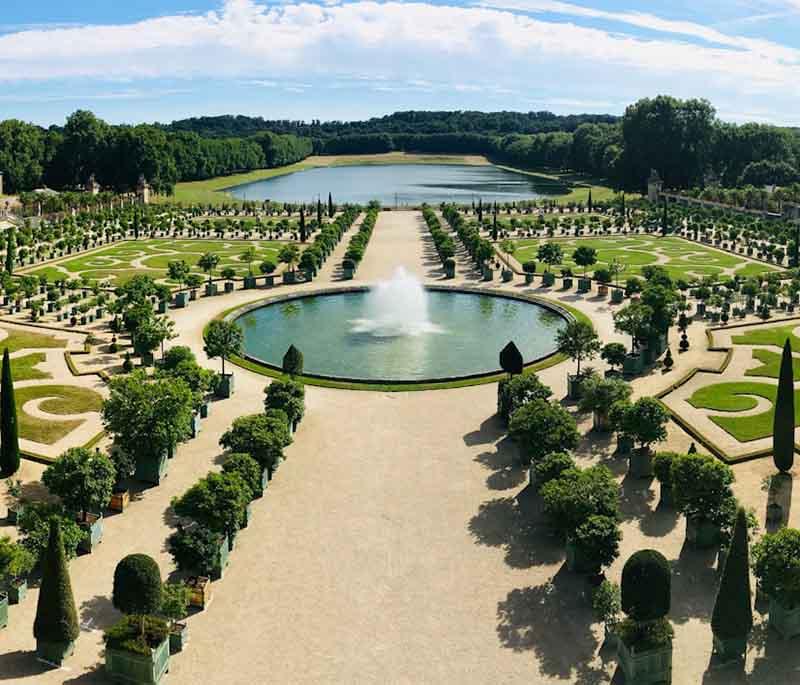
(442, 241)
(358, 243)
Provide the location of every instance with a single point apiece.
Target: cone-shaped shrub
(56, 617)
(733, 614)
(9, 437)
(646, 586)
(137, 585)
(511, 359)
(293, 361)
(783, 426)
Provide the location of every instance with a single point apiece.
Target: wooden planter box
(127, 667)
(225, 386)
(642, 668)
(119, 500)
(201, 591)
(730, 648)
(54, 652)
(701, 534)
(602, 290)
(641, 463)
(785, 621)
(17, 590)
(617, 296)
(93, 529)
(3, 610)
(624, 444)
(178, 637)
(584, 285)
(548, 279)
(151, 470)
(211, 289)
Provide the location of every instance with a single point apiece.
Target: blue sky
(158, 60)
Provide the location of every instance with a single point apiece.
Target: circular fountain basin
(348, 334)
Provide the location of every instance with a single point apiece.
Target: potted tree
(662, 468)
(599, 395)
(775, 566)
(251, 472)
(579, 341)
(593, 545)
(249, 256)
(223, 339)
(200, 551)
(289, 396)
(228, 273)
(645, 422)
(16, 562)
(702, 490)
(267, 267)
(175, 600)
(348, 268)
(613, 354)
(208, 262)
(549, 467)
(603, 278)
(289, 255)
(124, 465)
(513, 392)
(529, 268)
(607, 607)
(137, 649)
(645, 636)
(584, 256)
(193, 282)
(551, 254)
(83, 480)
(540, 427)
(635, 320)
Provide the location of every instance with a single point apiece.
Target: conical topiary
(511, 359)
(783, 425)
(733, 614)
(56, 624)
(293, 361)
(9, 437)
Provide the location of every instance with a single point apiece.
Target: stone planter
(229, 285)
(54, 652)
(225, 386)
(92, 526)
(127, 667)
(617, 296)
(584, 285)
(624, 444)
(649, 666)
(641, 463)
(289, 277)
(701, 533)
(249, 282)
(151, 469)
(181, 300)
(785, 621)
(200, 587)
(119, 500)
(178, 637)
(548, 279)
(17, 590)
(211, 289)
(730, 648)
(3, 610)
(633, 364)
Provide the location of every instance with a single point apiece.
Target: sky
(160, 60)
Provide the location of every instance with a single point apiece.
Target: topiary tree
(579, 341)
(702, 486)
(56, 624)
(514, 392)
(84, 480)
(599, 395)
(137, 585)
(288, 395)
(783, 421)
(597, 541)
(9, 432)
(223, 339)
(511, 359)
(775, 565)
(217, 501)
(248, 469)
(540, 427)
(646, 586)
(645, 421)
(261, 436)
(293, 361)
(195, 549)
(550, 467)
(732, 618)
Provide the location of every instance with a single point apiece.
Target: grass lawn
(734, 398)
(565, 187)
(211, 191)
(22, 368)
(775, 336)
(681, 258)
(21, 340)
(61, 400)
(119, 263)
(771, 365)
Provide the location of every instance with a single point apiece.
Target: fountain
(397, 307)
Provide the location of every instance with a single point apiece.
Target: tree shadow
(504, 462)
(659, 522)
(96, 675)
(21, 664)
(635, 498)
(694, 584)
(98, 612)
(490, 431)
(553, 621)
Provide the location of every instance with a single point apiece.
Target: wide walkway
(398, 543)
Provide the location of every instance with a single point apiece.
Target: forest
(683, 140)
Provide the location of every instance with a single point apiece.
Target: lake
(395, 184)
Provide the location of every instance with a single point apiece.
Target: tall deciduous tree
(9, 436)
(783, 423)
(223, 339)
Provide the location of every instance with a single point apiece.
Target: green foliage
(287, 395)
(702, 485)
(600, 393)
(783, 425)
(551, 466)
(606, 603)
(776, 565)
(16, 561)
(217, 502)
(550, 254)
(247, 468)
(34, 527)
(597, 540)
(56, 617)
(584, 256)
(223, 339)
(137, 585)
(645, 421)
(82, 479)
(293, 361)
(9, 431)
(578, 341)
(614, 354)
(646, 586)
(646, 635)
(175, 599)
(195, 549)
(662, 466)
(733, 614)
(261, 436)
(513, 392)
(540, 427)
(137, 634)
(577, 494)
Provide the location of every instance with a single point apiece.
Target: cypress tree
(56, 617)
(330, 205)
(511, 359)
(783, 423)
(293, 361)
(11, 248)
(302, 226)
(136, 225)
(733, 615)
(9, 437)
(319, 212)
(664, 226)
(589, 202)
(494, 223)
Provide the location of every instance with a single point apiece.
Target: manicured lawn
(775, 336)
(771, 365)
(733, 398)
(22, 368)
(567, 187)
(119, 263)
(681, 258)
(61, 400)
(20, 340)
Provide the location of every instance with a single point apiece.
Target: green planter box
(450, 270)
(548, 279)
(643, 668)
(204, 410)
(488, 274)
(17, 590)
(194, 426)
(584, 285)
(269, 281)
(730, 648)
(225, 386)
(566, 282)
(701, 534)
(229, 286)
(248, 515)
(220, 561)
(127, 667)
(211, 289)
(178, 637)
(162, 306)
(348, 274)
(54, 652)
(785, 621)
(574, 386)
(249, 282)
(633, 364)
(528, 279)
(576, 562)
(181, 300)
(641, 463)
(508, 275)
(93, 529)
(289, 277)
(14, 512)
(624, 444)
(617, 295)
(3, 610)
(264, 482)
(151, 470)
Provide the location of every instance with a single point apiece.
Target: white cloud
(502, 48)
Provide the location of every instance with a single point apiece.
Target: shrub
(702, 485)
(662, 466)
(15, 561)
(541, 427)
(195, 549)
(606, 603)
(775, 564)
(614, 354)
(647, 635)
(247, 468)
(529, 267)
(34, 527)
(176, 355)
(597, 540)
(551, 466)
(577, 494)
(137, 634)
(646, 586)
(514, 392)
(287, 395)
(293, 361)
(599, 394)
(733, 614)
(137, 585)
(645, 421)
(56, 617)
(82, 479)
(217, 501)
(175, 599)
(262, 436)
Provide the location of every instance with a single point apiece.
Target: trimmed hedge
(646, 586)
